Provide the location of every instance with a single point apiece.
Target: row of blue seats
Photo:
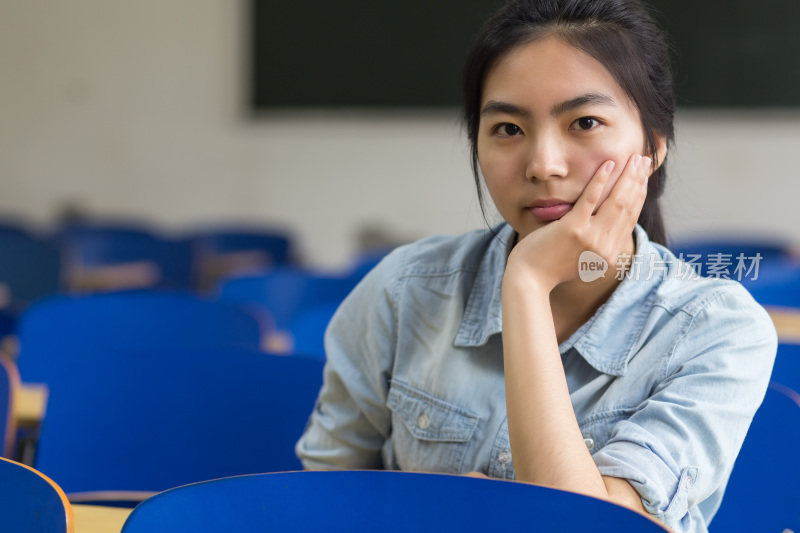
(106, 258)
(153, 419)
(107, 255)
(329, 501)
(97, 256)
(147, 391)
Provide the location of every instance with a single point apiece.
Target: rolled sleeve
(350, 421)
(678, 448)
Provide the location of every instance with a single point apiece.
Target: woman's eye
(507, 129)
(585, 124)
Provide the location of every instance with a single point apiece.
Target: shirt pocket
(428, 434)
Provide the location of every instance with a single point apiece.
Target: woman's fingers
(626, 199)
(592, 194)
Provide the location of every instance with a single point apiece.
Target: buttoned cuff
(665, 492)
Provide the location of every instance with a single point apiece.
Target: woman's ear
(661, 150)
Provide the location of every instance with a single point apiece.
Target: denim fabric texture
(664, 378)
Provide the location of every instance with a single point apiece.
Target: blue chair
(709, 248)
(308, 330)
(8, 325)
(9, 384)
(30, 269)
(778, 283)
(66, 327)
(787, 366)
(732, 245)
(110, 256)
(763, 492)
(31, 502)
(11, 226)
(274, 243)
(286, 292)
(230, 250)
(155, 418)
(382, 501)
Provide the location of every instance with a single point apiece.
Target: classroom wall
(138, 109)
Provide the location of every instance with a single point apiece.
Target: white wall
(137, 108)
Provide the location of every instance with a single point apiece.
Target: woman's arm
(351, 421)
(546, 441)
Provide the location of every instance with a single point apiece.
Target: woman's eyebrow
(506, 108)
(582, 100)
(495, 107)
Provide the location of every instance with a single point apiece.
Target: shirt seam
(444, 273)
(702, 307)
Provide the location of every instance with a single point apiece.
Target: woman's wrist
(522, 279)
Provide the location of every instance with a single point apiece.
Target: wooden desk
(787, 322)
(30, 404)
(99, 519)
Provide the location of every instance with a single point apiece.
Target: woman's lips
(550, 212)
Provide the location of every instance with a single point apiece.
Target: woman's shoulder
(707, 300)
(441, 254)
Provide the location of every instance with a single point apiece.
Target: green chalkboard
(738, 53)
(361, 53)
(374, 53)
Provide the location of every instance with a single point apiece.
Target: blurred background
(148, 110)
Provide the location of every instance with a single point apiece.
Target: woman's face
(551, 115)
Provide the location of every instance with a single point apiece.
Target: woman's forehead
(547, 70)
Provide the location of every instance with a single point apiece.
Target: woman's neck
(574, 302)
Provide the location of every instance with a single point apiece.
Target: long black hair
(621, 35)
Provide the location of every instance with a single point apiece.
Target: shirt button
(504, 456)
(589, 442)
(423, 421)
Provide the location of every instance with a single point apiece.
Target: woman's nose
(546, 158)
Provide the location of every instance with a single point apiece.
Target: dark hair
(620, 34)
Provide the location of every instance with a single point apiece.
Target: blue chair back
(286, 292)
(763, 492)
(9, 384)
(31, 502)
(382, 501)
(787, 366)
(152, 419)
(273, 242)
(8, 325)
(778, 283)
(102, 245)
(233, 251)
(731, 246)
(308, 330)
(66, 327)
(725, 253)
(10, 226)
(30, 268)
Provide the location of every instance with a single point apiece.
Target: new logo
(591, 266)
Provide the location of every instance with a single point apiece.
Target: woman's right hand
(549, 255)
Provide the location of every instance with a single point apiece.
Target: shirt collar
(600, 341)
(483, 313)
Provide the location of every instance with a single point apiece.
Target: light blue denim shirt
(664, 378)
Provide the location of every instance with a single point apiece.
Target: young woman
(510, 352)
